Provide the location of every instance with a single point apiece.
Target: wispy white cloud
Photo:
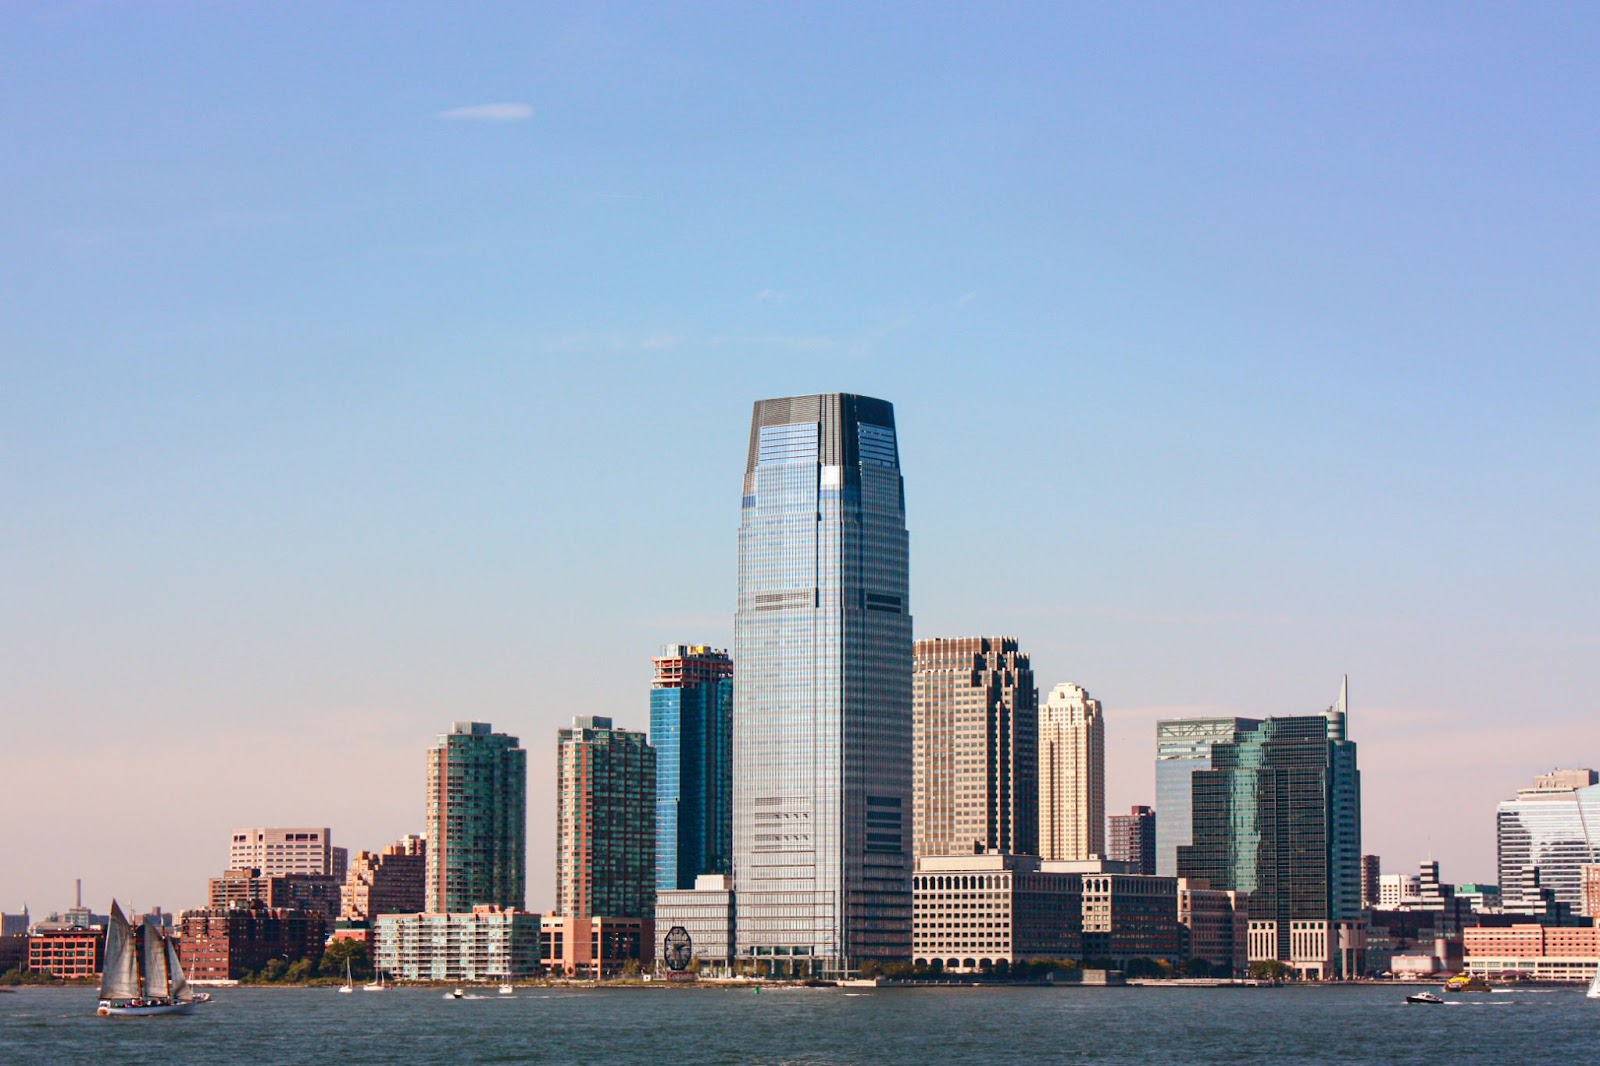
(501, 112)
(967, 298)
(771, 296)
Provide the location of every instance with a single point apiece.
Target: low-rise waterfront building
(228, 943)
(1130, 916)
(13, 951)
(973, 912)
(484, 944)
(70, 953)
(597, 946)
(1544, 952)
(1216, 925)
(706, 913)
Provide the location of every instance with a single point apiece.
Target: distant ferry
(1466, 982)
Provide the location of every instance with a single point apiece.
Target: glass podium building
(822, 724)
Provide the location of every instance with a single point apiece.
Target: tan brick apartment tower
(1072, 775)
(975, 714)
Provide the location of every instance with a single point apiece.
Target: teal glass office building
(1278, 815)
(822, 725)
(1183, 745)
(691, 729)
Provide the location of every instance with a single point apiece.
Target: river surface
(1366, 1024)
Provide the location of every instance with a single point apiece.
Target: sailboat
(349, 985)
(1594, 985)
(141, 974)
(375, 985)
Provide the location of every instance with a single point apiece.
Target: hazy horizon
(362, 374)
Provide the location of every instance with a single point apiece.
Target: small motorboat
(1423, 997)
(457, 994)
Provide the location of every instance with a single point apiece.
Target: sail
(153, 953)
(119, 977)
(180, 983)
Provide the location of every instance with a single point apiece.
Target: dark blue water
(921, 1026)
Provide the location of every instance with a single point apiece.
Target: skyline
(1230, 354)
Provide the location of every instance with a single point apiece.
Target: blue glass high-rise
(822, 720)
(691, 728)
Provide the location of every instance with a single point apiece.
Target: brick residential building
(391, 881)
(69, 954)
(227, 943)
(306, 892)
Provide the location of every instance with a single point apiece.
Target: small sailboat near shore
(141, 975)
(1594, 985)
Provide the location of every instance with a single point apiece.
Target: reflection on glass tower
(822, 689)
(691, 728)
(1278, 815)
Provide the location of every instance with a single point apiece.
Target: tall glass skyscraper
(1183, 745)
(691, 728)
(477, 819)
(1278, 815)
(822, 689)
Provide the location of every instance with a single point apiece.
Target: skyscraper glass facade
(691, 729)
(1183, 745)
(477, 820)
(1278, 815)
(822, 689)
(1556, 832)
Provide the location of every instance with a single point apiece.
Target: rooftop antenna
(79, 894)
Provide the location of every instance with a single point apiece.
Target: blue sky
(1233, 349)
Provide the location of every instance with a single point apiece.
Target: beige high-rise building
(975, 718)
(280, 850)
(1072, 775)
